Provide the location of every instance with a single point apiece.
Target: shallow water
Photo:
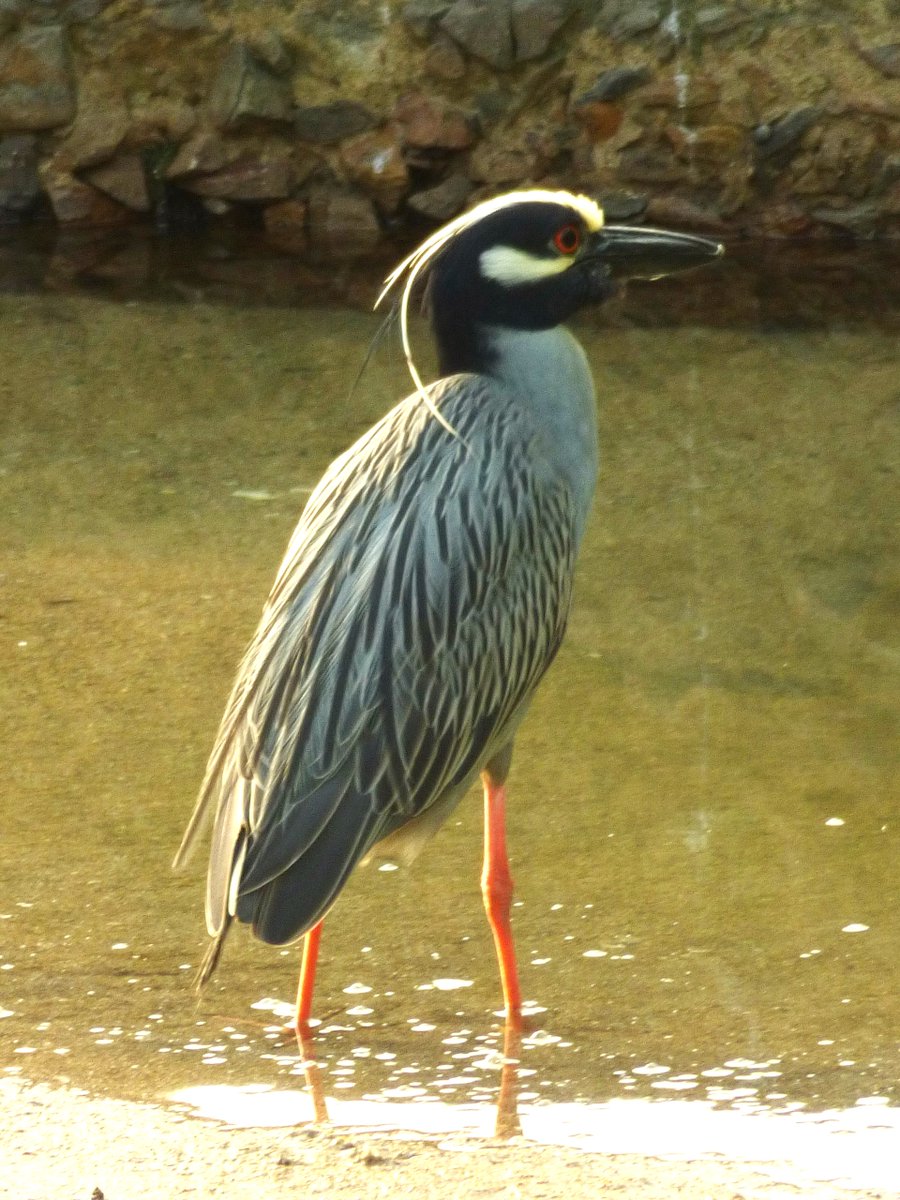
(703, 818)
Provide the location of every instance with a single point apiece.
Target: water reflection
(703, 824)
(853, 1148)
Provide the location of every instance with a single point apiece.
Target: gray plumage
(423, 595)
(426, 588)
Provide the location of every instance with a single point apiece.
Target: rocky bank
(334, 124)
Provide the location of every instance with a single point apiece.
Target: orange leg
(313, 1073)
(307, 978)
(497, 890)
(508, 1124)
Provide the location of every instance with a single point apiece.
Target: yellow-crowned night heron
(426, 588)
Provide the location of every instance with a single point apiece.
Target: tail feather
(211, 958)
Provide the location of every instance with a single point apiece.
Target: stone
(328, 124)
(75, 202)
(501, 165)
(718, 19)
(444, 200)
(599, 120)
(430, 123)
(534, 25)
(342, 224)
(616, 83)
(77, 12)
(177, 16)
(375, 162)
(423, 15)
(681, 213)
(622, 206)
(123, 180)
(863, 104)
(861, 220)
(245, 92)
(203, 153)
(483, 27)
(37, 86)
(270, 48)
(159, 118)
(650, 164)
(100, 126)
(692, 96)
(625, 19)
(716, 145)
(444, 59)
(885, 59)
(782, 138)
(784, 219)
(249, 178)
(20, 187)
(285, 225)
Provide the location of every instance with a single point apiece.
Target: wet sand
(59, 1145)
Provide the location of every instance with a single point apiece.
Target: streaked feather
(409, 623)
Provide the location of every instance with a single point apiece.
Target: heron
(426, 588)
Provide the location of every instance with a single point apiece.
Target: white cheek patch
(510, 266)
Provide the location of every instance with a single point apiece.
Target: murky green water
(703, 822)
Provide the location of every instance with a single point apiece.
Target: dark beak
(634, 252)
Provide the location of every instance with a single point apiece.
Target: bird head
(529, 260)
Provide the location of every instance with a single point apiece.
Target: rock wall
(335, 124)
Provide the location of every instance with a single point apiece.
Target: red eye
(568, 239)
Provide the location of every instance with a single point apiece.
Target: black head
(529, 261)
(527, 266)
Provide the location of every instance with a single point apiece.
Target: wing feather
(420, 601)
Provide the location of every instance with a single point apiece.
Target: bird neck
(548, 374)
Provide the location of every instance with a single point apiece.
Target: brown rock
(77, 203)
(681, 213)
(444, 60)
(202, 154)
(860, 220)
(100, 125)
(691, 95)
(375, 162)
(501, 165)
(123, 180)
(885, 59)
(444, 200)
(761, 93)
(341, 224)
(599, 119)
(270, 48)
(864, 104)
(430, 123)
(715, 145)
(178, 16)
(328, 124)
(650, 164)
(250, 177)
(155, 118)
(246, 92)
(285, 223)
(785, 220)
(37, 88)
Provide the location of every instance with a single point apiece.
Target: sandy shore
(60, 1145)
